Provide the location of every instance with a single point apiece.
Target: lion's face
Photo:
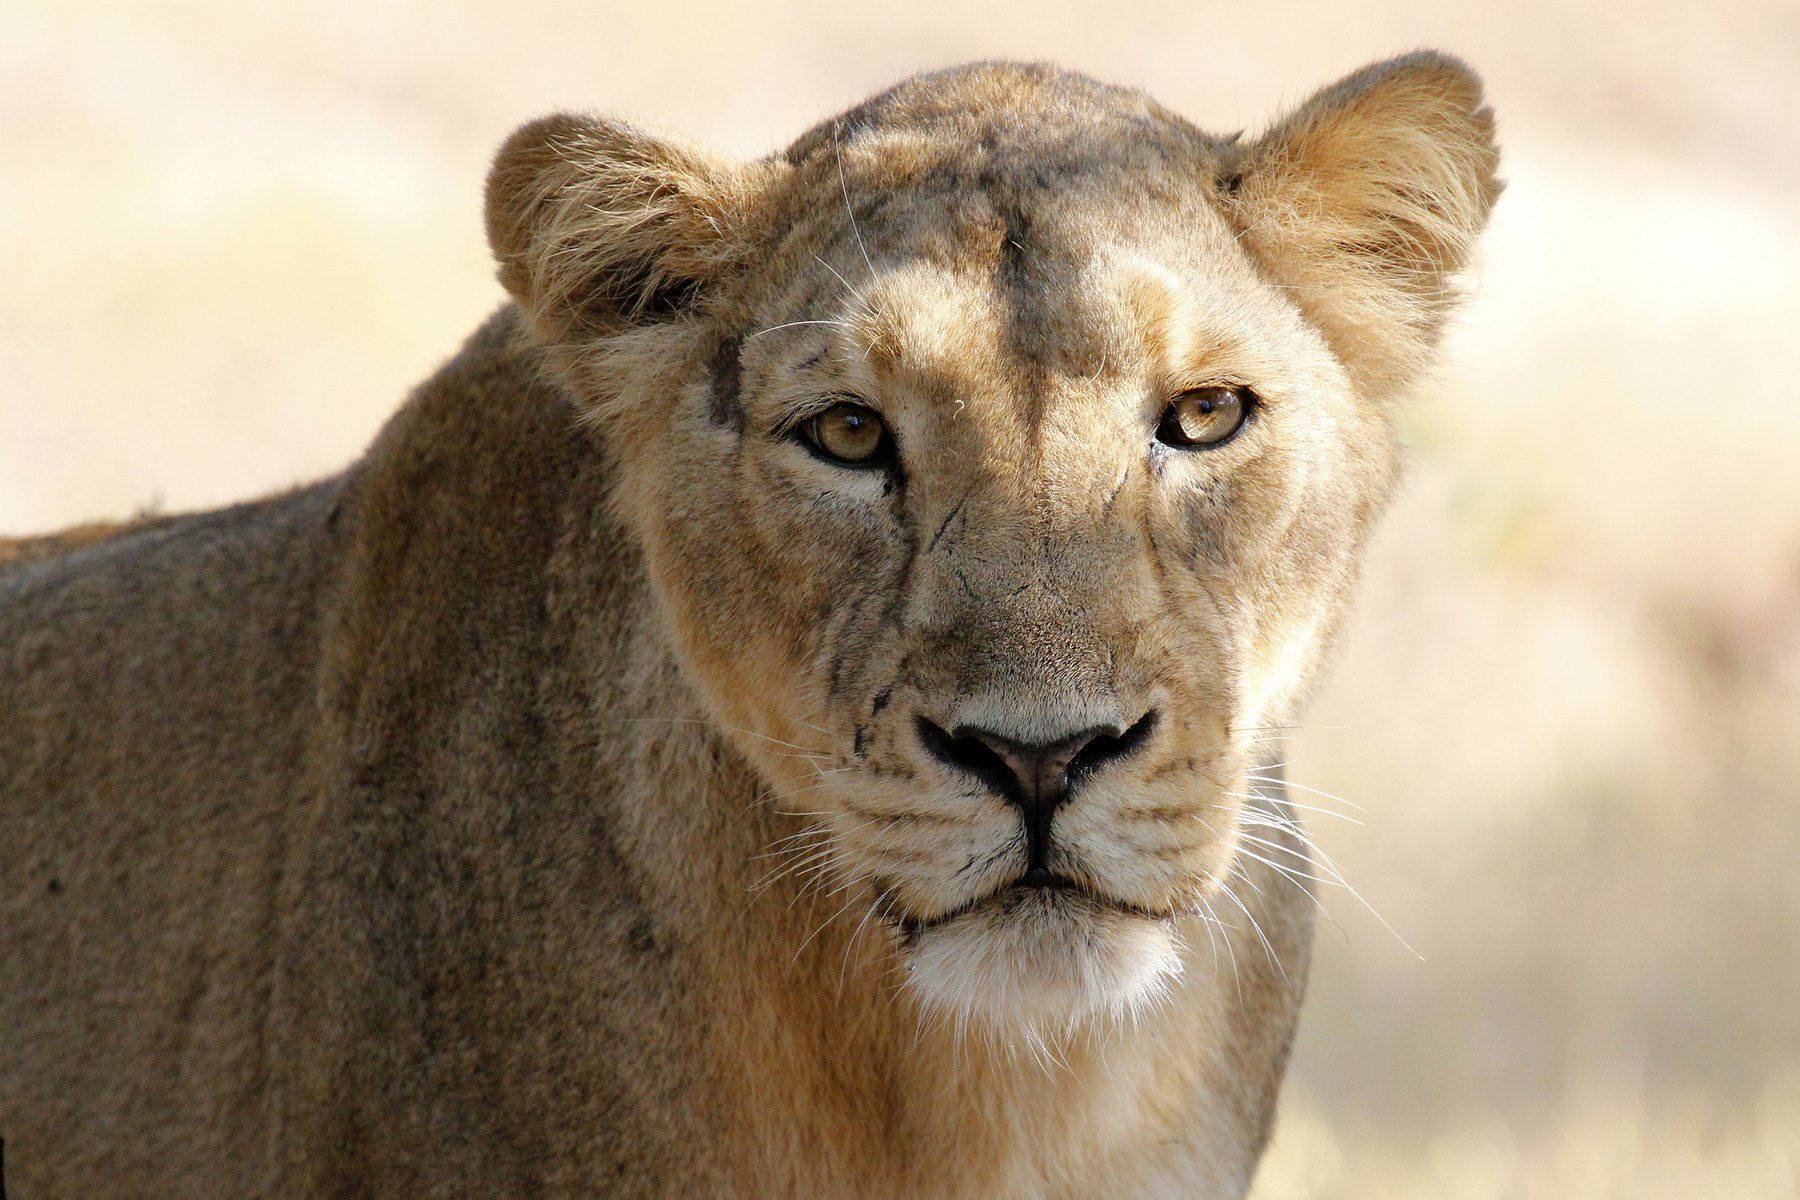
(1001, 505)
(976, 608)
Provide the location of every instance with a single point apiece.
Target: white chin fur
(1043, 963)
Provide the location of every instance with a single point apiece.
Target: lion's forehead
(941, 254)
(1011, 183)
(1088, 338)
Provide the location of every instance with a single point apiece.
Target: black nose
(1035, 776)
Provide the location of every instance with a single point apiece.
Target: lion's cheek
(746, 611)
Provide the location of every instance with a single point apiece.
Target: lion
(793, 708)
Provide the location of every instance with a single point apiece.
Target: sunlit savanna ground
(1570, 706)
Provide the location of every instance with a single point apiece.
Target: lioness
(789, 710)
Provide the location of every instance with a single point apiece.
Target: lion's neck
(823, 1045)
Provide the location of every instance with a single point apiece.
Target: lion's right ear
(598, 225)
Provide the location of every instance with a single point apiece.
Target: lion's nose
(1035, 776)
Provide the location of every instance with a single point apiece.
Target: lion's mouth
(1037, 888)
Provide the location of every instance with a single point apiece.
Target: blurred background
(233, 235)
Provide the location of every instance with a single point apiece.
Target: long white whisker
(866, 307)
(1320, 859)
(1298, 880)
(792, 325)
(837, 150)
(849, 945)
(1288, 850)
(821, 928)
(1292, 803)
(1255, 925)
(1237, 981)
(1315, 791)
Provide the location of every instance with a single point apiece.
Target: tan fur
(26, 549)
(541, 808)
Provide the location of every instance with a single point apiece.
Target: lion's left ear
(1366, 200)
(598, 225)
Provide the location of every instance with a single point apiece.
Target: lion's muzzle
(1036, 777)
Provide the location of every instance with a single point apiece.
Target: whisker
(837, 150)
(1298, 880)
(1291, 803)
(1255, 887)
(821, 929)
(866, 307)
(803, 863)
(726, 728)
(794, 325)
(849, 945)
(1268, 949)
(1315, 791)
(803, 812)
(1237, 981)
(1336, 877)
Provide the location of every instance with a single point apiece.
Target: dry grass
(1606, 1142)
(234, 234)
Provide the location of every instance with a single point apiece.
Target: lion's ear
(1366, 200)
(597, 225)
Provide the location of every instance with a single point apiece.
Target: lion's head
(1002, 454)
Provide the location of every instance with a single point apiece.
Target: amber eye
(848, 434)
(1203, 417)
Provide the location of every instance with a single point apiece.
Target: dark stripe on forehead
(727, 382)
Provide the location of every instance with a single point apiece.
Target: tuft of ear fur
(1366, 200)
(598, 225)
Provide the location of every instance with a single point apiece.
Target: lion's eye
(848, 434)
(1204, 417)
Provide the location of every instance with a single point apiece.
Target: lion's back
(155, 689)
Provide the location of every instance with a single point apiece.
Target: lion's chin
(1041, 962)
